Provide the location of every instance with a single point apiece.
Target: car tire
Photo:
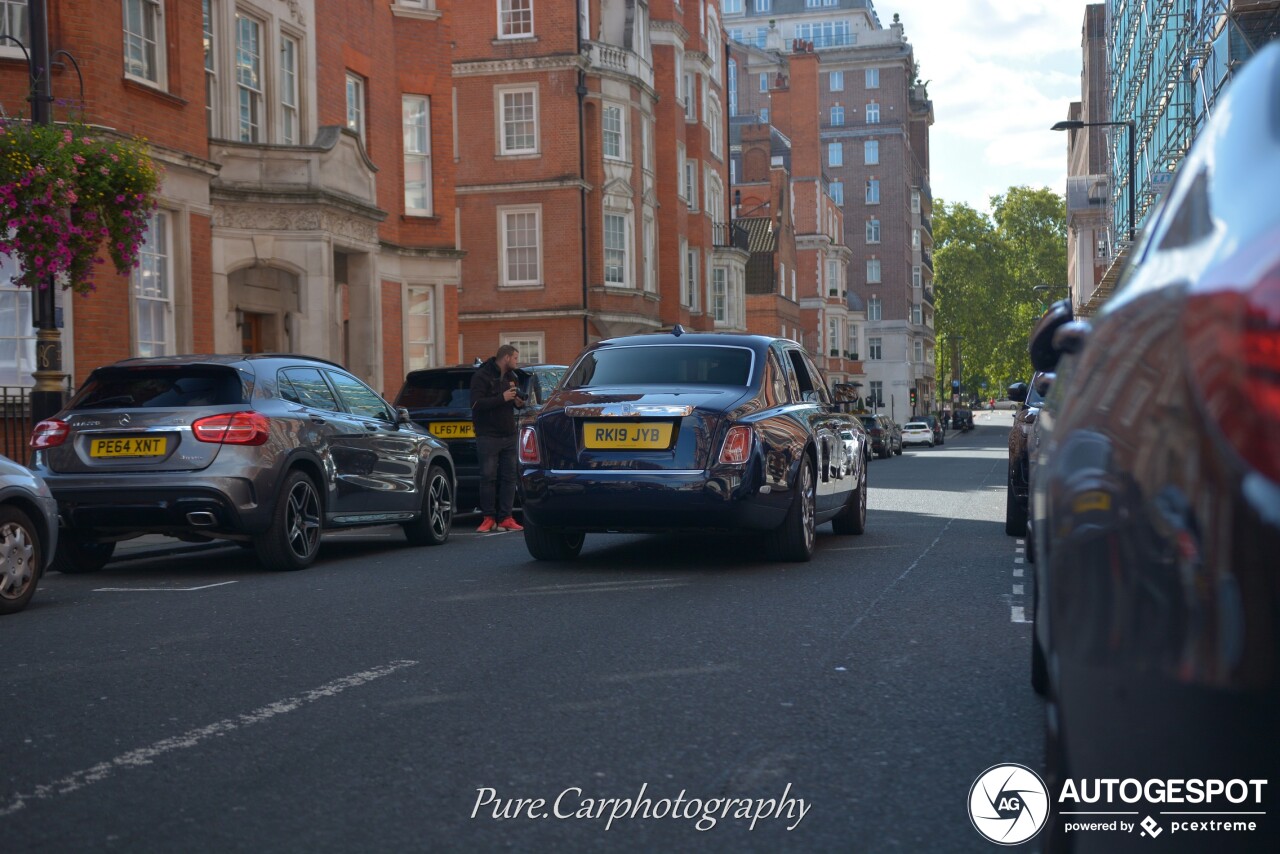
(20, 569)
(793, 539)
(853, 518)
(75, 556)
(899, 449)
(293, 540)
(432, 526)
(1015, 514)
(885, 453)
(552, 543)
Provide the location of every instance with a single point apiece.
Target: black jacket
(492, 416)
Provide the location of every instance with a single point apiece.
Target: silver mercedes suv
(266, 450)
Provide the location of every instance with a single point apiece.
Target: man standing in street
(495, 397)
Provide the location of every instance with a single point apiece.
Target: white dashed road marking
(160, 589)
(192, 738)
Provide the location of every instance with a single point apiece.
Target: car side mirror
(1044, 354)
(1018, 392)
(1071, 337)
(402, 416)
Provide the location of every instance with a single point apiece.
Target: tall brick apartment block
(307, 200)
(874, 131)
(591, 174)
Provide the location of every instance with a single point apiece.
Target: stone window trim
(423, 10)
(500, 136)
(504, 281)
(149, 8)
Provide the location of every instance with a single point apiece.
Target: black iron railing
(16, 421)
(729, 236)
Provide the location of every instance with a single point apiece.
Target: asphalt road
(198, 703)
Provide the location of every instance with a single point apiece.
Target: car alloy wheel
(806, 505)
(19, 561)
(440, 504)
(302, 519)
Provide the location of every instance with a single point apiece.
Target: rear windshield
(437, 390)
(156, 388)
(870, 423)
(548, 377)
(662, 365)
(916, 425)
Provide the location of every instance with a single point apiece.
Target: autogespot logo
(1008, 804)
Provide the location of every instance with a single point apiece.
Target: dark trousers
(497, 475)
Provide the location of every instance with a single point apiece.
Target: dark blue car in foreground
(1156, 494)
(671, 432)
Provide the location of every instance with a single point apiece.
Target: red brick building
(307, 200)
(591, 179)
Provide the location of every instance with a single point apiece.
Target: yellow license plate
(603, 435)
(133, 446)
(452, 429)
(1092, 501)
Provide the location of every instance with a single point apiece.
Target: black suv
(886, 436)
(267, 450)
(439, 401)
(1022, 439)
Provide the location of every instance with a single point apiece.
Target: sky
(1000, 73)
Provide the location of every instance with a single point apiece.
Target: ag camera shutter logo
(1008, 804)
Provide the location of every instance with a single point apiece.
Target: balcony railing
(612, 58)
(927, 224)
(831, 40)
(928, 294)
(927, 257)
(729, 236)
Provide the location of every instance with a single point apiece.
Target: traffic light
(913, 399)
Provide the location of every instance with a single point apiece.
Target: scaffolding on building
(1168, 62)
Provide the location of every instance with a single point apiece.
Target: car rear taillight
(529, 447)
(49, 434)
(234, 428)
(737, 446)
(1233, 344)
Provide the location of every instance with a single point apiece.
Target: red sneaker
(486, 526)
(510, 524)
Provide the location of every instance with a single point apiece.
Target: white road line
(1017, 590)
(665, 674)
(192, 738)
(160, 589)
(1019, 560)
(1017, 573)
(586, 584)
(1019, 550)
(1018, 614)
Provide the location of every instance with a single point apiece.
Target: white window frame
(915, 238)
(684, 272)
(875, 348)
(504, 213)
(835, 154)
(690, 86)
(715, 124)
(874, 271)
(871, 152)
(532, 346)
(681, 190)
(837, 116)
(873, 191)
(500, 105)
(917, 349)
(618, 134)
(355, 100)
(510, 9)
(252, 128)
(915, 201)
(417, 156)
(764, 81)
(158, 261)
(720, 297)
(764, 5)
(834, 288)
(917, 276)
(875, 309)
(733, 7)
(873, 230)
(290, 92)
(425, 346)
(24, 362)
(692, 277)
(152, 70)
(871, 78)
(691, 182)
(628, 277)
(873, 113)
(835, 81)
(835, 332)
(650, 255)
(917, 316)
(837, 192)
(209, 35)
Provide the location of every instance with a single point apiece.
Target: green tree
(986, 267)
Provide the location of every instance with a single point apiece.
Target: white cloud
(1000, 73)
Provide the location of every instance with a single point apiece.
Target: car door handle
(316, 419)
(371, 427)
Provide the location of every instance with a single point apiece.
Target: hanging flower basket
(66, 193)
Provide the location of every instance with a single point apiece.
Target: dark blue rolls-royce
(697, 431)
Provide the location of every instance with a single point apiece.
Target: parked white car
(917, 433)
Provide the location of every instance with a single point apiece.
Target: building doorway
(257, 333)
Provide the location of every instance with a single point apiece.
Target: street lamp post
(1076, 124)
(1040, 289)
